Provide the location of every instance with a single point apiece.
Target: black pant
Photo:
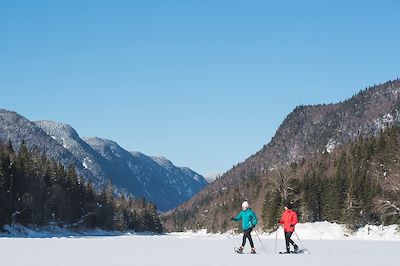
(246, 234)
(288, 235)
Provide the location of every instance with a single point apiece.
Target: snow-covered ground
(201, 249)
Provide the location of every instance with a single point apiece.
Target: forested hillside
(36, 191)
(101, 160)
(356, 184)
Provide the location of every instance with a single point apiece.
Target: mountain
(38, 192)
(306, 134)
(165, 184)
(85, 156)
(314, 129)
(187, 178)
(211, 177)
(101, 160)
(16, 128)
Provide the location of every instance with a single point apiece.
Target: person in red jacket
(289, 220)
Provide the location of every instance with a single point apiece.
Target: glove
(232, 218)
(291, 225)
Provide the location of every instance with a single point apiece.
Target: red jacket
(289, 217)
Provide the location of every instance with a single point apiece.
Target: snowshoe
(238, 250)
(284, 252)
(287, 251)
(303, 251)
(299, 251)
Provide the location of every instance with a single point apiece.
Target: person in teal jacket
(249, 221)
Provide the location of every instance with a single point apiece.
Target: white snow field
(192, 249)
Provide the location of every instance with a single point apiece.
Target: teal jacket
(248, 217)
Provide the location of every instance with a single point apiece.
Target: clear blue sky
(203, 83)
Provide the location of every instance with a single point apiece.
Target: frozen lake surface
(189, 250)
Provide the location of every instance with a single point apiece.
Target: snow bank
(310, 231)
(333, 231)
(317, 231)
(19, 231)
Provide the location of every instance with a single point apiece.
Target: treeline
(37, 191)
(356, 187)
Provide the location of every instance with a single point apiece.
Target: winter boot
(287, 249)
(253, 251)
(296, 248)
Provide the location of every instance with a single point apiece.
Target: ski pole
(261, 242)
(299, 240)
(233, 239)
(276, 237)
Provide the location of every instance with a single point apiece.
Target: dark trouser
(246, 234)
(288, 235)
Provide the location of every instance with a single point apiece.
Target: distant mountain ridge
(100, 160)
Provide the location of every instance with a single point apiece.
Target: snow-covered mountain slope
(16, 128)
(88, 158)
(101, 160)
(133, 173)
(188, 180)
(166, 185)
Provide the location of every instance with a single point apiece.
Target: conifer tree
(36, 191)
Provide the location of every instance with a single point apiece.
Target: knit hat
(289, 205)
